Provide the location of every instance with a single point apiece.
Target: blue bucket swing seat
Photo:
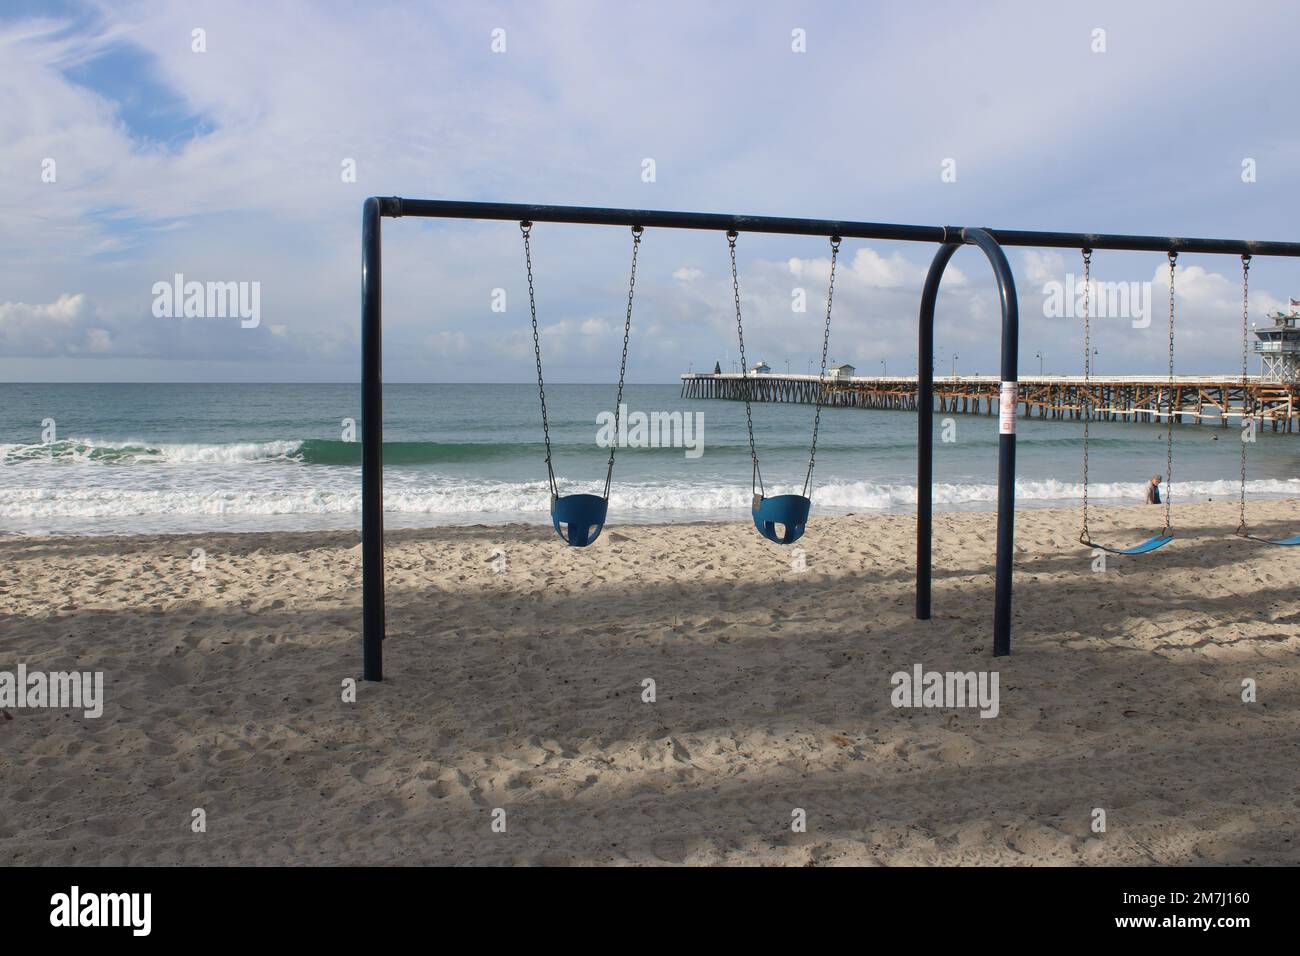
(781, 519)
(578, 518)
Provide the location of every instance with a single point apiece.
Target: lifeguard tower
(1278, 346)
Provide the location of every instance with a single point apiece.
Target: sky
(235, 142)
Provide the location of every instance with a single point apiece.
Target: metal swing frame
(948, 238)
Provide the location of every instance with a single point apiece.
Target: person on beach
(1153, 490)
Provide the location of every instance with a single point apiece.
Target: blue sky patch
(151, 111)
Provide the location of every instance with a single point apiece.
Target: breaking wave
(530, 499)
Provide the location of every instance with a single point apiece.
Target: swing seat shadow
(781, 518)
(579, 519)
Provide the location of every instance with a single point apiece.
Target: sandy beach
(520, 688)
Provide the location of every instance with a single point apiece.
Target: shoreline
(395, 521)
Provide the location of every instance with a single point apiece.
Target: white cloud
(447, 342)
(560, 118)
(573, 327)
(98, 340)
(868, 269)
(1039, 268)
(43, 328)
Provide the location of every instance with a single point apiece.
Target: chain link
(821, 378)
(622, 368)
(1169, 421)
(1085, 409)
(757, 479)
(526, 229)
(1247, 399)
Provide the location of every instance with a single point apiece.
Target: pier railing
(1214, 399)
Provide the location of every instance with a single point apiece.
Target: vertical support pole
(372, 446)
(925, 428)
(1006, 436)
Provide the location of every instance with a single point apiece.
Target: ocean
(126, 459)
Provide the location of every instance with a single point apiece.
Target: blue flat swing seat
(790, 511)
(1283, 542)
(1151, 544)
(579, 519)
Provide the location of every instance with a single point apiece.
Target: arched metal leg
(1006, 430)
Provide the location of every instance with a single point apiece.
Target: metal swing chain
(757, 479)
(1169, 422)
(1247, 400)
(821, 378)
(525, 228)
(622, 367)
(1085, 537)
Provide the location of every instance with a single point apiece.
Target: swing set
(1248, 411)
(579, 518)
(782, 519)
(1166, 535)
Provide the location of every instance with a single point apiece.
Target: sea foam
(469, 499)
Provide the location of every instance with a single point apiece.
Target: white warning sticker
(1007, 408)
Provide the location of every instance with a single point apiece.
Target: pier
(1212, 399)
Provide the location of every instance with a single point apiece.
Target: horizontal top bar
(589, 215)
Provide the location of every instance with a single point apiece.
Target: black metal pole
(652, 218)
(1008, 400)
(661, 219)
(925, 427)
(372, 445)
